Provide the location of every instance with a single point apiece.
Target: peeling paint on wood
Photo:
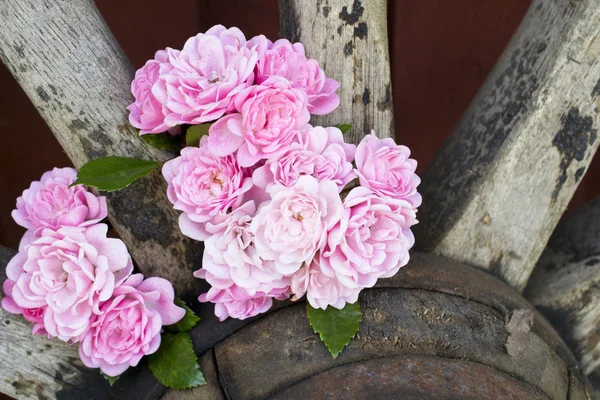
(572, 141)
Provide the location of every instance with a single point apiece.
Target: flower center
(216, 186)
(215, 178)
(214, 77)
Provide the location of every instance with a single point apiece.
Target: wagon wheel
(450, 324)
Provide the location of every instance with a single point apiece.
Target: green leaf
(175, 364)
(335, 327)
(194, 133)
(344, 127)
(113, 173)
(161, 141)
(187, 322)
(111, 379)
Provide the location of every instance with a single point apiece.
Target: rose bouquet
(73, 282)
(285, 209)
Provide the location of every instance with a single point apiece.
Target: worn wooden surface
(434, 307)
(395, 322)
(65, 58)
(350, 41)
(565, 284)
(439, 313)
(411, 378)
(35, 367)
(493, 195)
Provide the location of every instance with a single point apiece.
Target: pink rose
(129, 325)
(319, 152)
(321, 290)
(293, 226)
(243, 284)
(235, 302)
(146, 113)
(51, 203)
(199, 83)
(70, 271)
(371, 240)
(33, 315)
(289, 61)
(270, 116)
(385, 168)
(230, 256)
(203, 185)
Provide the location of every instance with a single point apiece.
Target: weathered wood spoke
(565, 284)
(67, 61)
(350, 41)
(495, 192)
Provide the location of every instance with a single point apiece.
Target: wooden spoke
(350, 41)
(495, 192)
(67, 61)
(565, 284)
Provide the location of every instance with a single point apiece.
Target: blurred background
(441, 53)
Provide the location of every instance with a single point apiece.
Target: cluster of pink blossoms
(285, 209)
(74, 283)
(214, 71)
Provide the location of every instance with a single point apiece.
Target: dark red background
(441, 53)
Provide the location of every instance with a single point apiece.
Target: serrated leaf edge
(333, 354)
(196, 367)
